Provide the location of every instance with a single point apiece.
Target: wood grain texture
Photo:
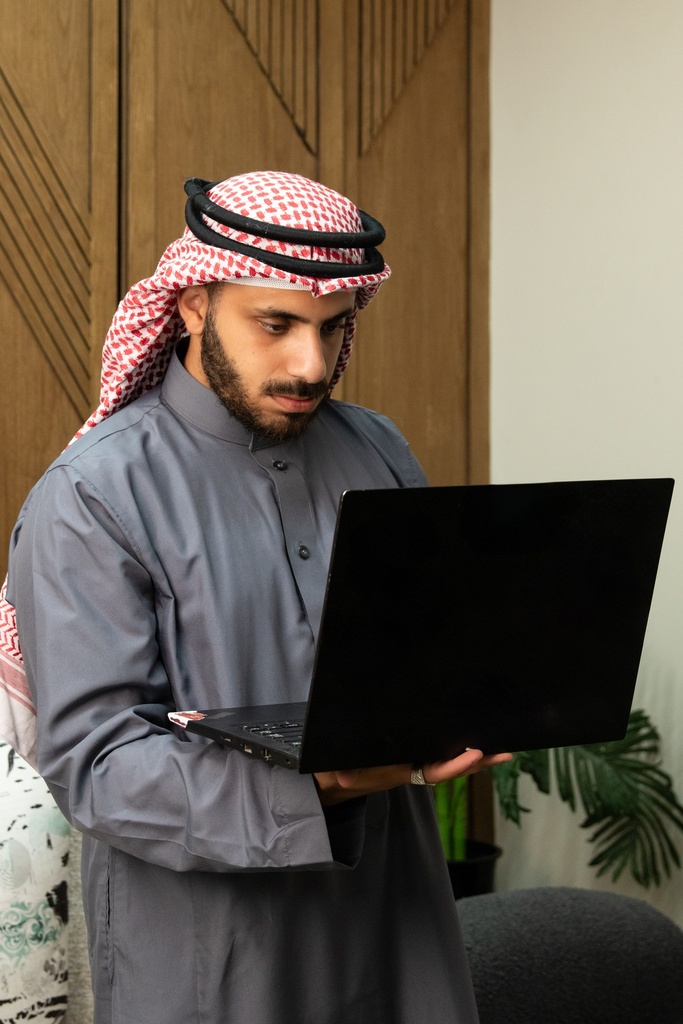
(283, 37)
(479, 186)
(58, 225)
(395, 36)
(412, 355)
(205, 109)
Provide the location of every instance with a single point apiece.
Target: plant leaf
(506, 784)
(536, 763)
(626, 797)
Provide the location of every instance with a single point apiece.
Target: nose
(306, 356)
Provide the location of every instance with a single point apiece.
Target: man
(175, 557)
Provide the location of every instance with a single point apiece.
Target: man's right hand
(335, 787)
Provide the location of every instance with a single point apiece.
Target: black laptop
(501, 617)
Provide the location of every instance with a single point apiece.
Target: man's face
(269, 353)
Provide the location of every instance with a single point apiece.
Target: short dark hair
(213, 290)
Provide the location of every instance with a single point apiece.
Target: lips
(290, 404)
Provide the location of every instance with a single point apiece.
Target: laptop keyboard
(287, 732)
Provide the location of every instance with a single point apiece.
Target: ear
(193, 303)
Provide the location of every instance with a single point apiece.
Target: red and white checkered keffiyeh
(147, 326)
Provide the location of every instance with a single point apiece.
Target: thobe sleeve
(89, 636)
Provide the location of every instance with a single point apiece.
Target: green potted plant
(471, 862)
(628, 800)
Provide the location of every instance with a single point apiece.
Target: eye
(334, 326)
(274, 326)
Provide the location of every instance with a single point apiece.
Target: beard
(226, 383)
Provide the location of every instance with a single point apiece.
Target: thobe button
(279, 464)
(303, 551)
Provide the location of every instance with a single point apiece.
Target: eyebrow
(283, 314)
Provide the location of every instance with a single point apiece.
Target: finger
(464, 764)
(469, 763)
(371, 780)
(491, 759)
(347, 779)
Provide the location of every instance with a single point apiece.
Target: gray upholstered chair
(572, 956)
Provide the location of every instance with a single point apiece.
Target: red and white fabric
(146, 327)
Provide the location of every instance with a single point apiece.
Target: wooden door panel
(58, 255)
(223, 99)
(45, 48)
(412, 173)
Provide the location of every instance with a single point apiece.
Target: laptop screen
(503, 617)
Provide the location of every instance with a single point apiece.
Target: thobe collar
(199, 405)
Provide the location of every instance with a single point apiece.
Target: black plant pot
(474, 875)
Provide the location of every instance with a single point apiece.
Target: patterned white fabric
(34, 850)
(147, 325)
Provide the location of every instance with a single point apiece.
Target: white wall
(587, 314)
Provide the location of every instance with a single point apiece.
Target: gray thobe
(156, 566)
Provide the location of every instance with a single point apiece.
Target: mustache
(295, 388)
